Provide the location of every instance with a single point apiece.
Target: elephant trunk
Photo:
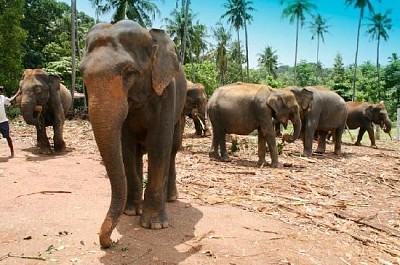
(27, 108)
(387, 125)
(296, 130)
(108, 109)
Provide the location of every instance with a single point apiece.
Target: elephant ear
(275, 102)
(54, 84)
(369, 112)
(303, 96)
(165, 61)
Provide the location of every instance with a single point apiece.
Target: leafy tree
(361, 4)
(366, 83)
(306, 74)
(235, 56)
(222, 37)
(238, 16)
(296, 11)
(391, 76)
(41, 19)
(378, 28)
(318, 28)
(339, 81)
(205, 73)
(269, 61)
(142, 11)
(11, 38)
(393, 58)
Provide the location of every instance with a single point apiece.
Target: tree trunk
(295, 52)
(356, 57)
(73, 42)
(247, 51)
(239, 57)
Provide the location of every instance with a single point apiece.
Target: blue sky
(268, 28)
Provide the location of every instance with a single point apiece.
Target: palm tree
(378, 28)
(269, 60)
(222, 36)
(394, 57)
(237, 14)
(142, 11)
(296, 11)
(318, 27)
(361, 4)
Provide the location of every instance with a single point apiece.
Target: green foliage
(205, 73)
(13, 112)
(306, 74)
(12, 37)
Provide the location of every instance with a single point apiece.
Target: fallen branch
(9, 255)
(45, 192)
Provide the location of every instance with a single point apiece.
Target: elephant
(44, 101)
(363, 114)
(241, 108)
(326, 112)
(136, 90)
(195, 107)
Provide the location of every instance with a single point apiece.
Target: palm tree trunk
(185, 9)
(356, 57)
(247, 50)
(378, 68)
(73, 54)
(295, 53)
(317, 73)
(239, 57)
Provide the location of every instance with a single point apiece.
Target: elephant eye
(38, 89)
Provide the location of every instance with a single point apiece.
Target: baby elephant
(241, 108)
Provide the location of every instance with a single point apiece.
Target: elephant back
(66, 99)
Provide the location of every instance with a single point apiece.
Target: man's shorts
(5, 129)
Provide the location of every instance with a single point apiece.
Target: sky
(268, 28)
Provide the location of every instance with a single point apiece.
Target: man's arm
(15, 96)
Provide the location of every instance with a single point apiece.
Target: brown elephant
(136, 89)
(241, 108)
(363, 114)
(195, 107)
(44, 101)
(326, 112)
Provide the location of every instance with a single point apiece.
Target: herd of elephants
(138, 99)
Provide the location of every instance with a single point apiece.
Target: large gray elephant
(136, 89)
(363, 114)
(326, 112)
(241, 108)
(195, 107)
(44, 101)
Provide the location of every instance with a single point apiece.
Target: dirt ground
(325, 209)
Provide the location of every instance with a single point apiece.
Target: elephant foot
(133, 210)
(319, 151)
(261, 162)
(60, 147)
(307, 153)
(213, 154)
(207, 133)
(374, 146)
(225, 158)
(154, 221)
(172, 196)
(357, 143)
(276, 165)
(46, 151)
(338, 153)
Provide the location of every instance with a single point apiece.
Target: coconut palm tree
(318, 28)
(222, 36)
(361, 4)
(142, 11)
(269, 60)
(238, 15)
(296, 11)
(378, 29)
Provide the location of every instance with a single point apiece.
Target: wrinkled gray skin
(195, 107)
(326, 112)
(37, 88)
(241, 108)
(363, 114)
(136, 89)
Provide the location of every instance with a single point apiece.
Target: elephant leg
(261, 149)
(222, 147)
(214, 146)
(321, 148)
(43, 140)
(360, 135)
(59, 144)
(337, 137)
(133, 163)
(172, 191)
(269, 137)
(308, 139)
(197, 125)
(159, 145)
(370, 130)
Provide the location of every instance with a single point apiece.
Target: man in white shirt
(4, 126)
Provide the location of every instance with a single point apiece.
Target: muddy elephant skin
(195, 107)
(363, 114)
(326, 112)
(136, 89)
(241, 108)
(44, 101)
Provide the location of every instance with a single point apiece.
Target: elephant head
(303, 97)
(36, 89)
(378, 114)
(285, 108)
(125, 67)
